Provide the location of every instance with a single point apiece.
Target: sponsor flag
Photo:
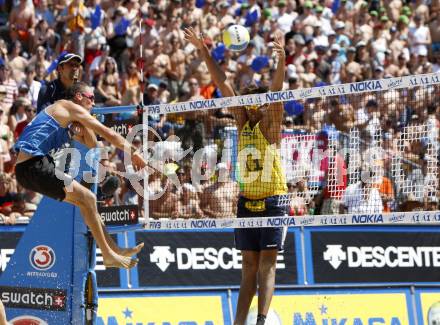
(122, 26)
(336, 5)
(259, 63)
(95, 17)
(200, 3)
(219, 52)
(251, 18)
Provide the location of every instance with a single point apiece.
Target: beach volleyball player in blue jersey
(35, 168)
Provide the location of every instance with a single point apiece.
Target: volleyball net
(359, 153)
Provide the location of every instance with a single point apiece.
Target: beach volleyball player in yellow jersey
(262, 182)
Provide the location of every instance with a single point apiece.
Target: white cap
(335, 47)
(189, 187)
(339, 24)
(291, 70)
(222, 165)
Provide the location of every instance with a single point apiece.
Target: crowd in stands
(327, 42)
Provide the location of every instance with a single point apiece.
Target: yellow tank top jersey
(260, 173)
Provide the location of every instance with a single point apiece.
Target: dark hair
(77, 87)
(254, 89)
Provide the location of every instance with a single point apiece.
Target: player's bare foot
(129, 251)
(119, 261)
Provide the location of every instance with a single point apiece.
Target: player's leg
(86, 201)
(266, 279)
(3, 320)
(130, 251)
(248, 285)
(40, 175)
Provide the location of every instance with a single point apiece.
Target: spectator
(22, 24)
(10, 84)
(17, 113)
(297, 205)
(108, 84)
(219, 199)
(68, 72)
(8, 190)
(192, 134)
(127, 194)
(166, 206)
(30, 114)
(188, 205)
(75, 15)
(363, 196)
(131, 80)
(31, 84)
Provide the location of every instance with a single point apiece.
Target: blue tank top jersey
(41, 135)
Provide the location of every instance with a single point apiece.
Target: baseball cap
(404, 19)
(291, 70)
(222, 165)
(406, 11)
(335, 47)
(267, 13)
(361, 43)
(224, 5)
(153, 86)
(69, 57)
(320, 48)
(23, 88)
(319, 9)
(351, 49)
(308, 4)
(339, 25)
(298, 38)
(150, 22)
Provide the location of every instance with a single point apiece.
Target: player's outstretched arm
(217, 75)
(84, 135)
(82, 116)
(278, 80)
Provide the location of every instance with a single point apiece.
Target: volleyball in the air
(236, 38)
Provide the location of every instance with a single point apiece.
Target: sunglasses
(90, 97)
(30, 110)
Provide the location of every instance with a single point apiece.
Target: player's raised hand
(279, 48)
(194, 38)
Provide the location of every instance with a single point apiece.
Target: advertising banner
(8, 242)
(203, 258)
(332, 307)
(119, 215)
(428, 306)
(173, 309)
(121, 123)
(373, 256)
(107, 277)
